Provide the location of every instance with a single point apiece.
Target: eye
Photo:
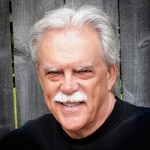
(53, 72)
(53, 75)
(84, 73)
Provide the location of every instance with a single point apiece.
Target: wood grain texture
(6, 86)
(135, 51)
(110, 7)
(134, 21)
(30, 99)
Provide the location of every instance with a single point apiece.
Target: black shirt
(128, 127)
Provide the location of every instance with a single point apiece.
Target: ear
(112, 75)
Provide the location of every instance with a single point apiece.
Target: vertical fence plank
(30, 99)
(110, 7)
(135, 61)
(6, 86)
(135, 50)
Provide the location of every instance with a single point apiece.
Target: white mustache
(74, 97)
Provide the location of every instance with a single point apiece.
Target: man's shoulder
(44, 121)
(39, 122)
(132, 107)
(132, 112)
(30, 133)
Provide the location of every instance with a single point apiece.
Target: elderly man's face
(71, 62)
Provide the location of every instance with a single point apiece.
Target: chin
(72, 125)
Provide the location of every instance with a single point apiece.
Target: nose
(69, 85)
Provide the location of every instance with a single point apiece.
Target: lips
(71, 104)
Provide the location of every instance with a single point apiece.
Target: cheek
(96, 87)
(89, 87)
(49, 88)
(97, 93)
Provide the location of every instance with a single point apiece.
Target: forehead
(70, 46)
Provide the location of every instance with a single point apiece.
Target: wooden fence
(16, 18)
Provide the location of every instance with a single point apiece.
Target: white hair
(89, 15)
(74, 97)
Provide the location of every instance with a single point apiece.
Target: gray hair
(62, 17)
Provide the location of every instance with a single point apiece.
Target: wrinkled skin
(62, 54)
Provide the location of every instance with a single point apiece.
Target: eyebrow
(49, 69)
(89, 67)
(80, 68)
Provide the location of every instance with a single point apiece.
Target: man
(76, 56)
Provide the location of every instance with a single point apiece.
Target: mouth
(71, 104)
(69, 108)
